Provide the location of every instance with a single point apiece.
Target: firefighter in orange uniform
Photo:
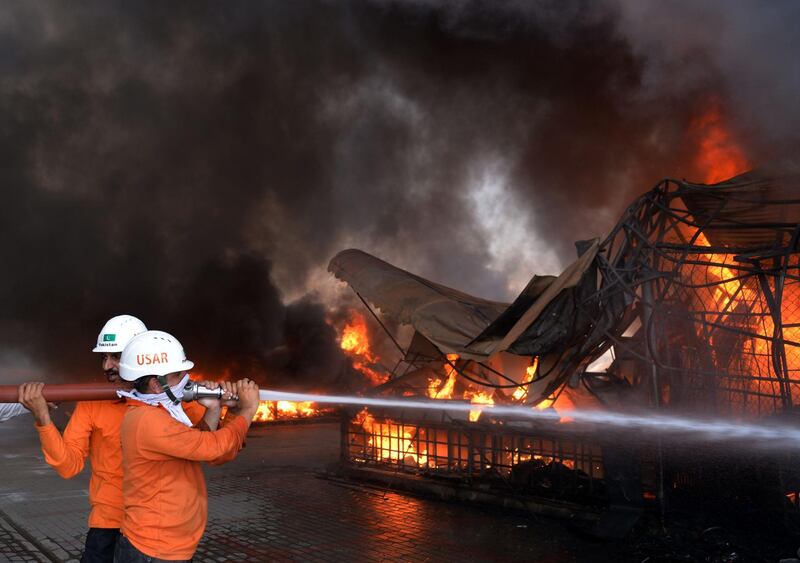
(93, 432)
(164, 491)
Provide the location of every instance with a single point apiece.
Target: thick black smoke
(197, 163)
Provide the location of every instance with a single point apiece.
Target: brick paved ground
(14, 546)
(271, 505)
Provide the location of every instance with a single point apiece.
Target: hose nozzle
(194, 391)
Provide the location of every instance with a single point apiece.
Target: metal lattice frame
(545, 463)
(719, 313)
(703, 313)
(721, 322)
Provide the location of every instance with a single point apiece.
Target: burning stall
(690, 305)
(463, 349)
(713, 272)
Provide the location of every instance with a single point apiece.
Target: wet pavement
(271, 504)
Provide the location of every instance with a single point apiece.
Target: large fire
(392, 441)
(718, 158)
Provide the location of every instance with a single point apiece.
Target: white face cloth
(10, 410)
(155, 399)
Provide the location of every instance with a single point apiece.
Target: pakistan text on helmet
(117, 332)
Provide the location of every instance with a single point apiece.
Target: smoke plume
(198, 163)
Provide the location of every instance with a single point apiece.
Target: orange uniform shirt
(164, 490)
(93, 431)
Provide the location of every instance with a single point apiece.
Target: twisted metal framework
(696, 289)
(713, 274)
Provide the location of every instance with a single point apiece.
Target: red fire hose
(65, 392)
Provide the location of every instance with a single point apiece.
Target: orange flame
(355, 342)
(355, 338)
(435, 388)
(478, 398)
(562, 405)
(391, 441)
(718, 156)
(271, 410)
(521, 392)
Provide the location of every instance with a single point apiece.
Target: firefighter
(93, 431)
(164, 491)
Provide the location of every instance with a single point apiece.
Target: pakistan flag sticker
(109, 337)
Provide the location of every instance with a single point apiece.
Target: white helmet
(116, 333)
(152, 353)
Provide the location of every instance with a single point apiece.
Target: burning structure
(711, 272)
(690, 305)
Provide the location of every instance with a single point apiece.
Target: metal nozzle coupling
(194, 391)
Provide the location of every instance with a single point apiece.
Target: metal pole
(650, 347)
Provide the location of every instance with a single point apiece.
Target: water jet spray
(698, 429)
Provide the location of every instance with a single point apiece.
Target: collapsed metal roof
(703, 268)
(458, 323)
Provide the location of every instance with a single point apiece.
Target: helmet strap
(162, 379)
